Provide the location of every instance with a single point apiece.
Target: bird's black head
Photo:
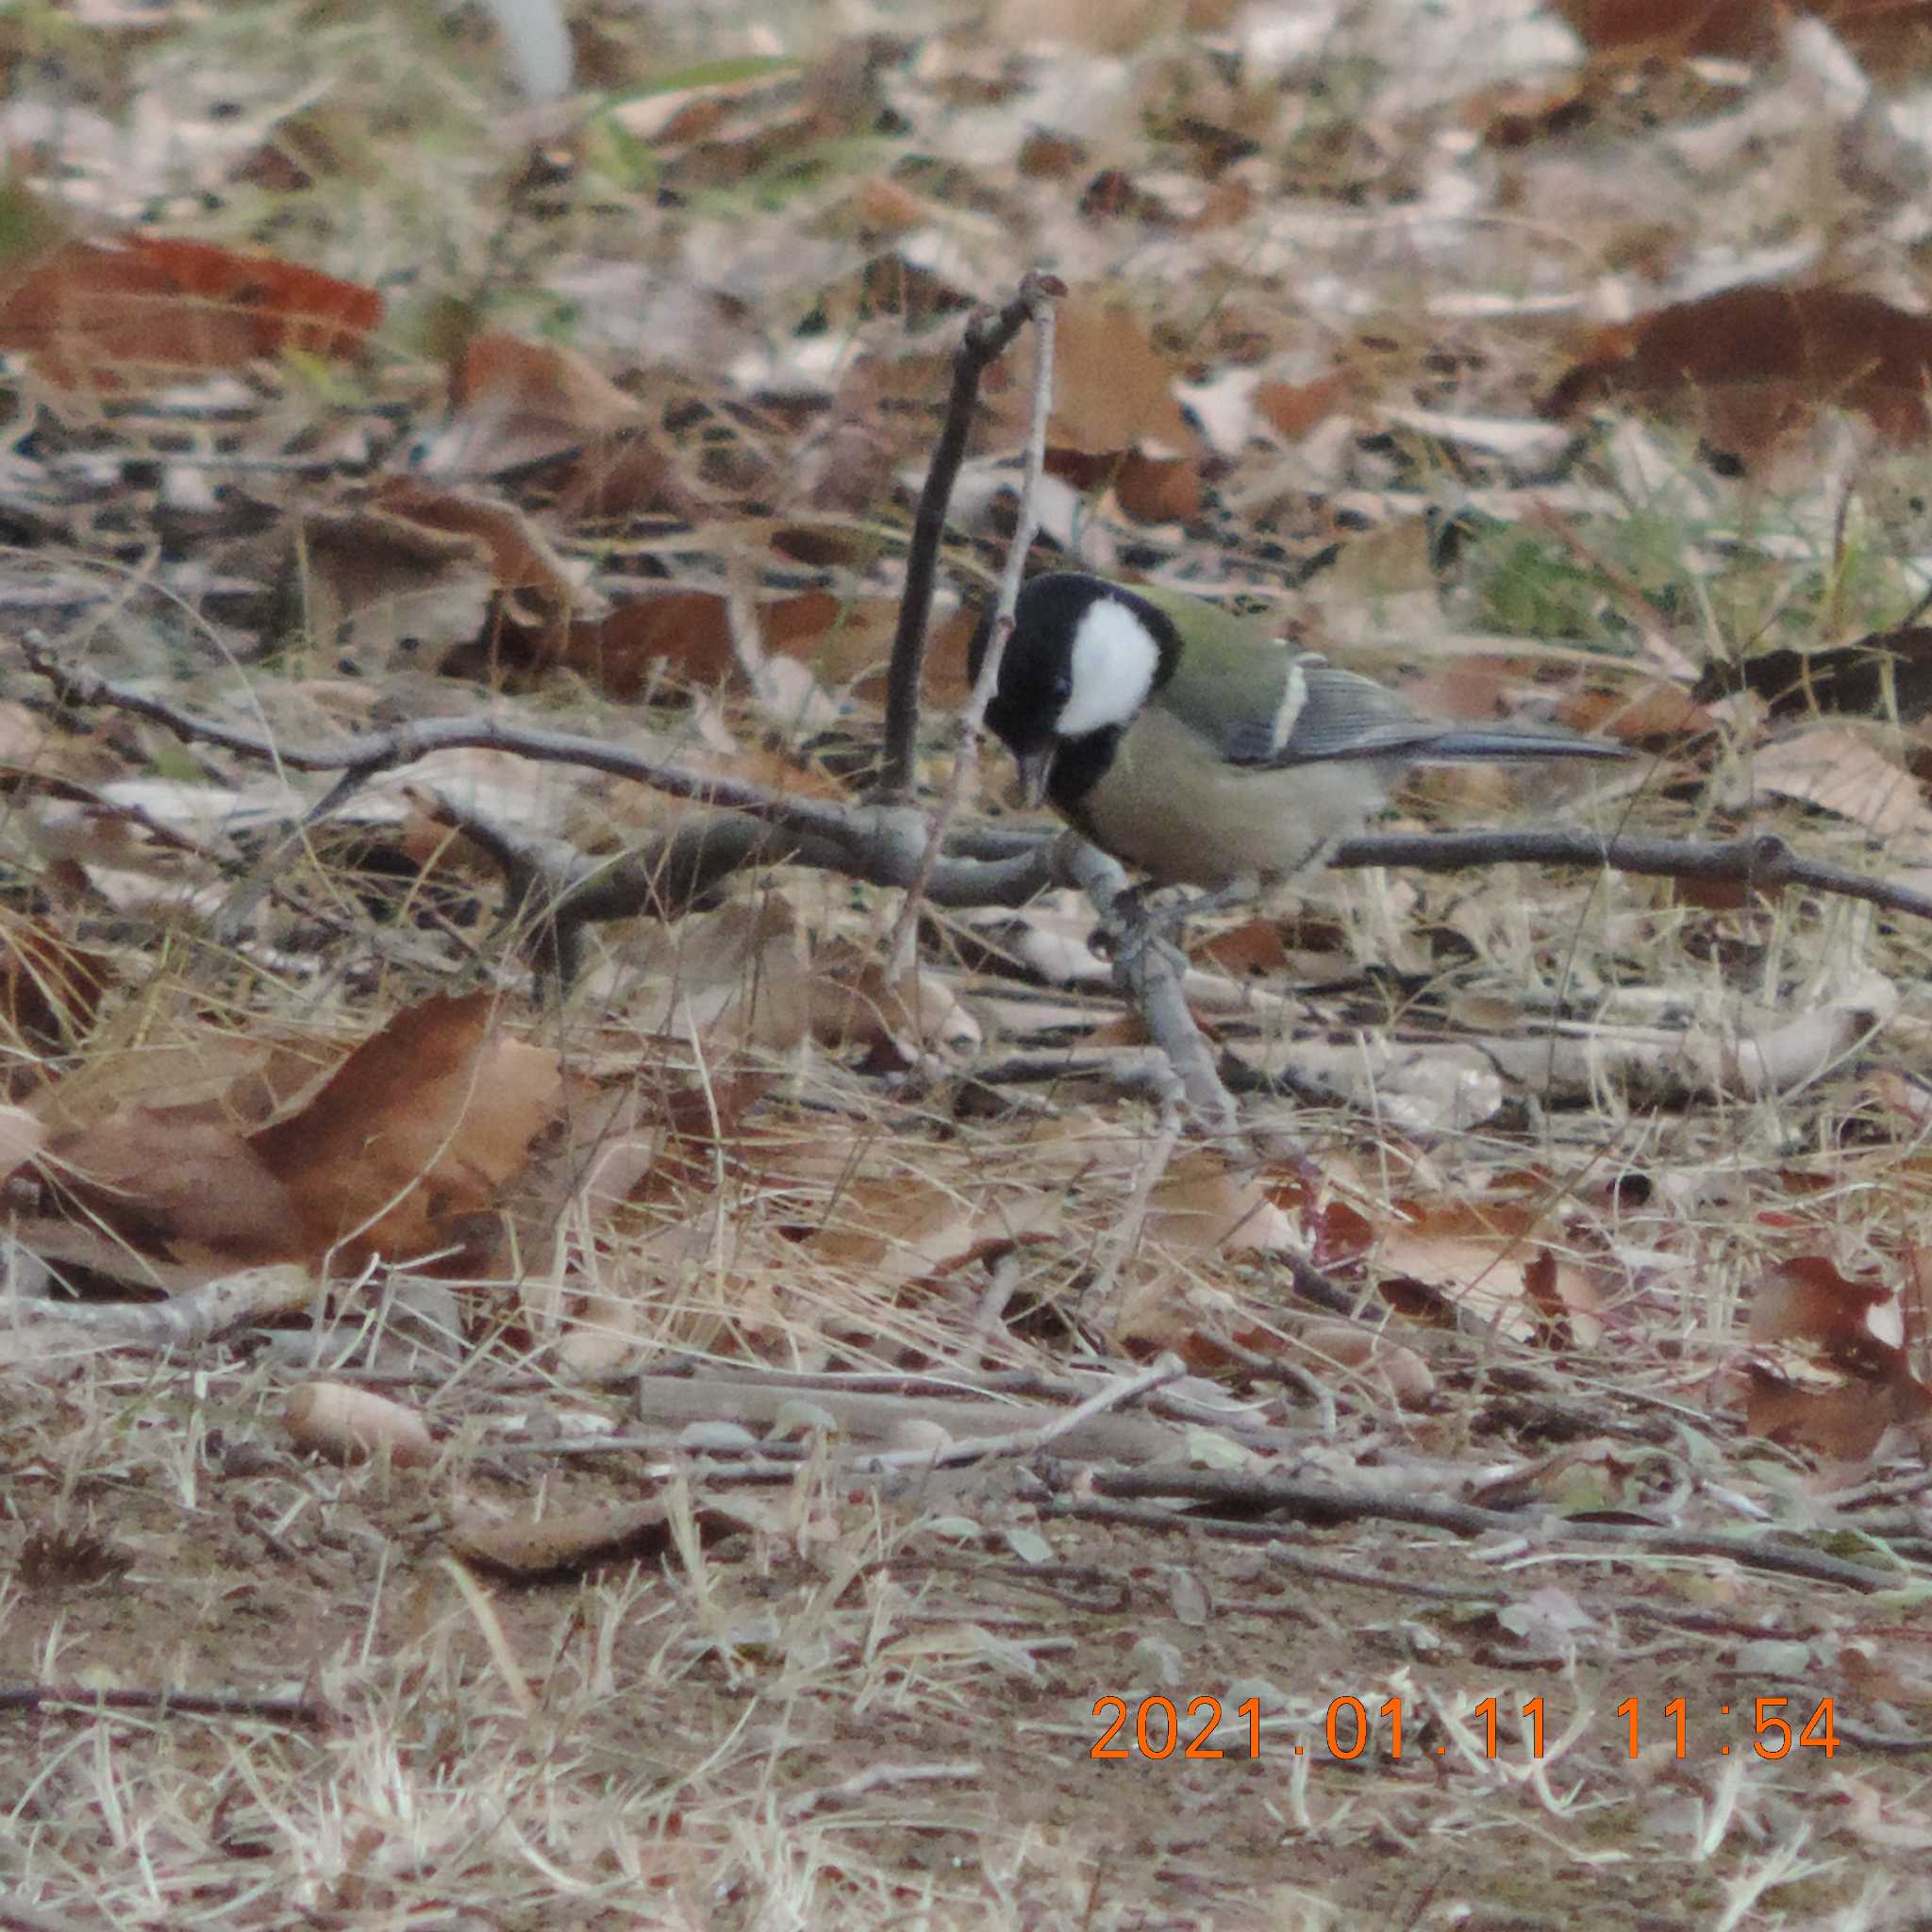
(1082, 660)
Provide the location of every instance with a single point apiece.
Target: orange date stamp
(1159, 1728)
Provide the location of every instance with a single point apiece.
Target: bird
(1197, 749)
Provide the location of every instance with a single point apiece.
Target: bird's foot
(1132, 920)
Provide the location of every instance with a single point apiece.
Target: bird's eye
(1062, 687)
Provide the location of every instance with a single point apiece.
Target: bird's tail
(1498, 742)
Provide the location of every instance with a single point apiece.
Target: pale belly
(1185, 819)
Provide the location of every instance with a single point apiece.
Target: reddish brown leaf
(1159, 490)
(1295, 407)
(1832, 1382)
(135, 309)
(1671, 26)
(519, 557)
(505, 378)
(681, 636)
(1750, 364)
(1113, 391)
(419, 1127)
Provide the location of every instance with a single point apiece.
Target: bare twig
(188, 1319)
(987, 337)
(1244, 1497)
(887, 846)
(1115, 1396)
(1038, 293)
(287, 1710)
(1151, 974)
(1760, 860)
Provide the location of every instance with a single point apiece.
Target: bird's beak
(1035, 768)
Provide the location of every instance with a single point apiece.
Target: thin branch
(1759, 858)
(366, 755)
(1120, 1394)
(1152, 975)
(886, 845)
(1329, 1504)
(1037, 292)
(188, 1321)
(987, 337)
(77, 1697)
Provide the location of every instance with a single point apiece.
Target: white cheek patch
(1113, 665)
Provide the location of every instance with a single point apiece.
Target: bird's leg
(1131, 919)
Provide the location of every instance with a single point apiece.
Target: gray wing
(1322, 714)
(1344, 715)
(1317, 713)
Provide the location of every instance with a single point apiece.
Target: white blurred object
(539, 44)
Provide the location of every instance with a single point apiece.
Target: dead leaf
(1831, 1373)
(168, 1184)
(1370, 1354)
(515, 402)
(1113, 391)
(137, 310)
(679, 637)
(854, 1003)
(1202, 1206)
(1491, 1258)
(1750, 365)
(734, 978)
(1841, 770)
(1736, 27)
(421, 1126)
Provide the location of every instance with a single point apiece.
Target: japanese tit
(1191, 745)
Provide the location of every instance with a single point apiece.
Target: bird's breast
(1171, 806)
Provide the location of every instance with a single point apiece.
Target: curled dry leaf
(1202, 1206)
(1828, 1370)
(516, 402)
(410, 1137)
(735, 977)
(882, 1233)
(1493, 1258)
(349, 1425)
(178, 1184)
(422, 566)
(564, 1540)
(1790, 1054)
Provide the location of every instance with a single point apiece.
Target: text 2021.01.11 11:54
(1158, 1727)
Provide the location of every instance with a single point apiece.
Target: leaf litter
(1603, 1212)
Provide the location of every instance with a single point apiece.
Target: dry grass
(875, 1700)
